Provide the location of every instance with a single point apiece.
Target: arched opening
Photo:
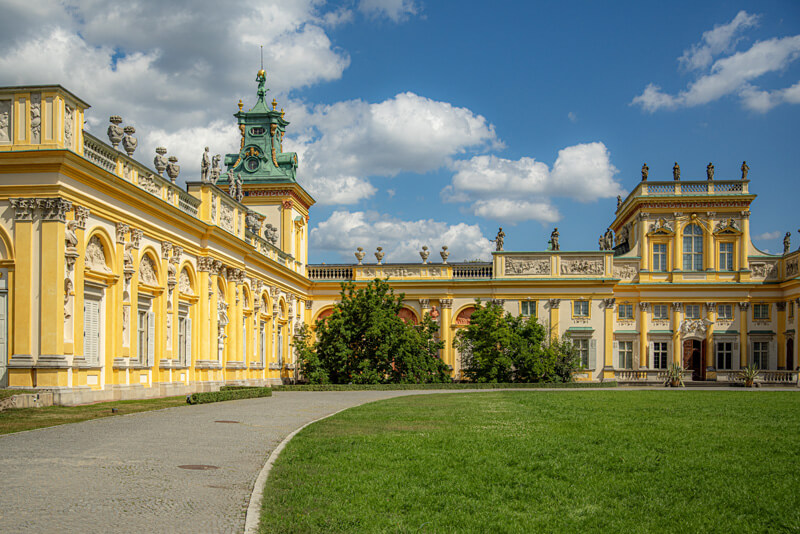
(463, 317)
(692, 248)
(408, 316)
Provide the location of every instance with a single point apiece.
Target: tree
(364, 342)
(498, 347)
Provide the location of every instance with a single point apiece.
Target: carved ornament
(81, 216)
(554, 303)
(446, 303)
(626, 271)
(147, 271)
(527, 265)
(582, 266)
(95, 255)
(764, 270)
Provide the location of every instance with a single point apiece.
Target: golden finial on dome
(274, 104)
(261, 73)
(282, 112)
(240, 104)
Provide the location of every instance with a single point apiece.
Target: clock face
(251, 164)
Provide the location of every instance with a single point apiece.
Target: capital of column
(554, 303)
(122, 230)
(446, 303)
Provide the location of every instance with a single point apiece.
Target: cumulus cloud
(170, 67)
(732, 74)
(343, 143)
(714, 42)
(401, 240)
(396, 10)
(520, 190)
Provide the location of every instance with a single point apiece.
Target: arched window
(692, 248)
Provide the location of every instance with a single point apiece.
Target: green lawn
(573, 461)
(17, 420)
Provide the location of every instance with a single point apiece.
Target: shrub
(229, 393)
(365, 342)
(498, 347)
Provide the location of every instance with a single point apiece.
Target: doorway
(790, 363)
(694, 358)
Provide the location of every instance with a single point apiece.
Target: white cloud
(170, 68)
(519, 190)
(396, 10)
(721, 39)
(766, 236)
(343, 143)
(732, 74)
(401, 240)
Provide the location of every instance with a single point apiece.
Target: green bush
(227, 393)
(498, 347)
(364, 342)
(459, 385)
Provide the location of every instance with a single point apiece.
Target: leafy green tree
(364, 342)
(498, 347)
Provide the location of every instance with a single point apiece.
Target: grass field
(574, 461)
(21, 419)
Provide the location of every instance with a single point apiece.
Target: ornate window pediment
(662, 227)
(727, 227)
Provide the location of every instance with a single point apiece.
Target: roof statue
(710, 171)
(745, 170)
(500, 240)
(676, 172)
(645, 171)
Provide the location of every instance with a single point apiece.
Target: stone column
(136, 242)
(52, 274)
(446, 333)
(554, 317)
(204, 349)
(644, 308)
(81, 216)
(677, 317)
(608, 338)
(231, 354)
(711, 311)
(25, 210)
(781, 336)
(743, 263)
(743, 310)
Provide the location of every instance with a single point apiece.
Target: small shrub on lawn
(229, 393)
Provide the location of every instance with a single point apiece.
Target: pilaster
(608, 338)
(554, 317)
(781, 335)
(446, 333)
(52, 281)
(201, 342)
(677, 316)
(743, 311)
(644, 308)
(22, 350)
(711, 316)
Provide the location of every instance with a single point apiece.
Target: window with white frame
(580, 308)
(625, 312)
(660, 354)
(761, 354)
(145, 332)
(659, 256)
(761, 312)
(692, 248)
(626, 354)
(92, 330)
(528, 308)
(660, 312)
(184, 336)
(726, 256)
(725, 312)
(262, 342)
(582, 347)
(692, 311)
(724, 355)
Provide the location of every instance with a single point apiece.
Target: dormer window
(257, 130)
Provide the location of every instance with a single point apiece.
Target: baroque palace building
(117, 283)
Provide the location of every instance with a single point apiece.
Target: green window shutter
(592, 354)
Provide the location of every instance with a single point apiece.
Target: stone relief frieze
(96, 255)
(662, 225)
(792, 267)
(184, 285)
(147, 271)
(527, 265)
(148, 183)
(764, 270)
(36, 118)
(69, 125)
(626, 271)
(582, 266)
(213, 208)
(5, 121)
(694, 327)
(226, 217)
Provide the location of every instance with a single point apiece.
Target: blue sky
(436, 122)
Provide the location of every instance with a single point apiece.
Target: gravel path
(121, 474)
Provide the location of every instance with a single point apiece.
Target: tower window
(257, 130)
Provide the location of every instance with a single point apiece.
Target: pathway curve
(121, 474)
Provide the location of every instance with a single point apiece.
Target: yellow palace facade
(117, 283)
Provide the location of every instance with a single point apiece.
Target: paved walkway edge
(253, 517)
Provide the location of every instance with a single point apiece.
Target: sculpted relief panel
(764, 270)
(582, 266)
(527, 265)
(96, 256)
(626, 271)
(5, 121)
(147, 272)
